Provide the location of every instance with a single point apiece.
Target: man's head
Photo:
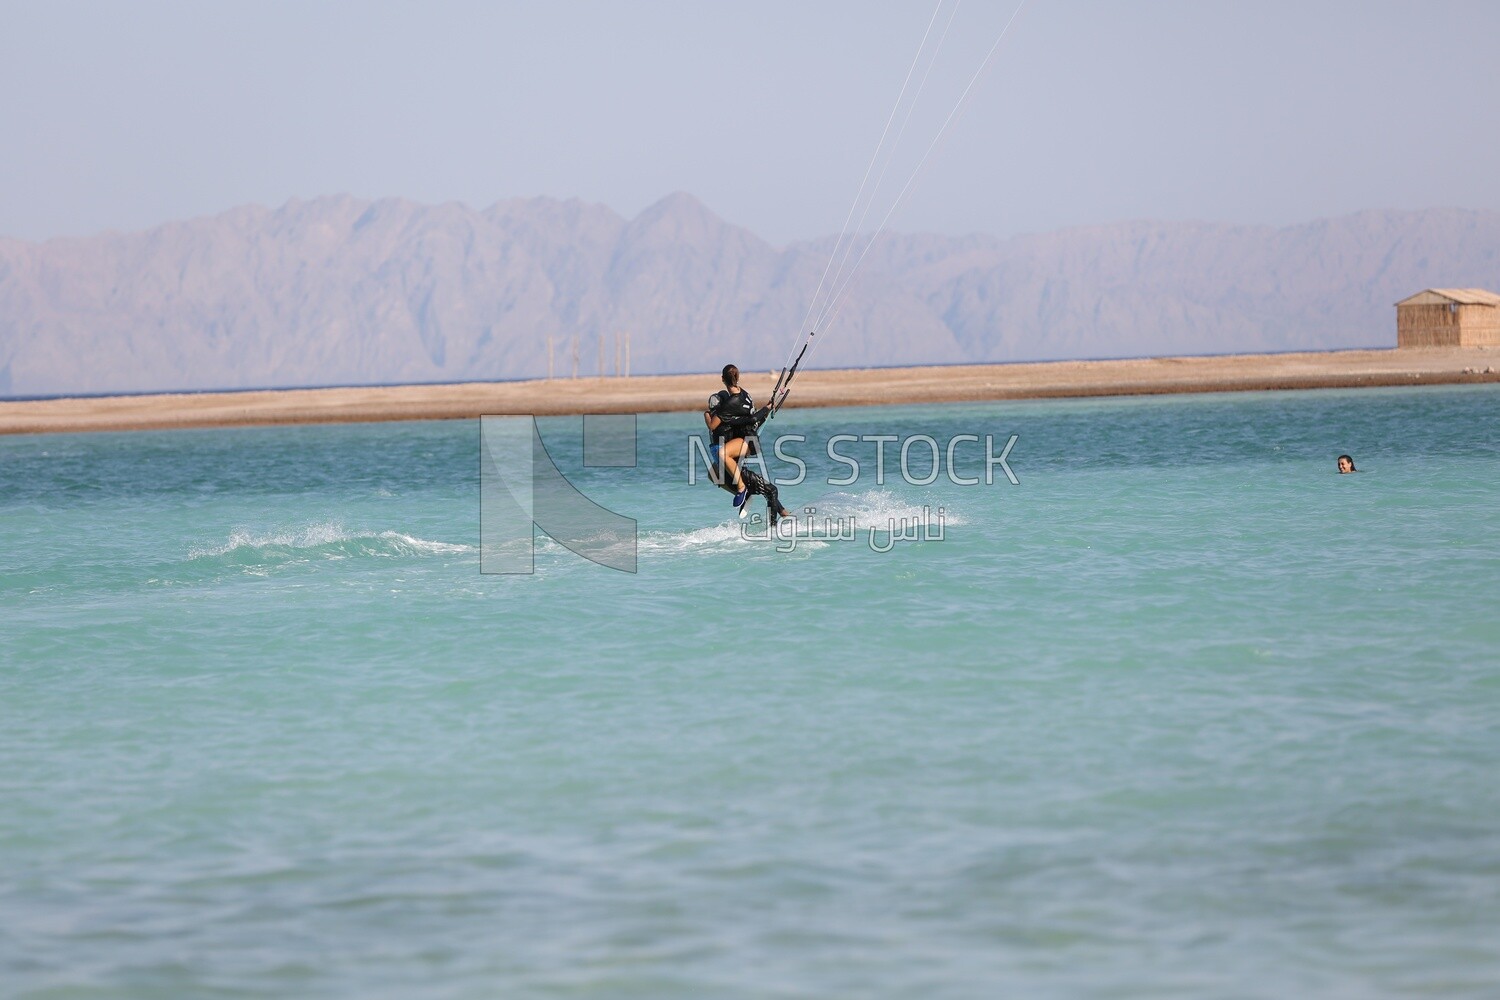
(731, 376)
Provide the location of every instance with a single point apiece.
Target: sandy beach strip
(688, 393)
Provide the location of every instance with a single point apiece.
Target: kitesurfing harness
(736, 412)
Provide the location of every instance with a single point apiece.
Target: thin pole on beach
(549, 357)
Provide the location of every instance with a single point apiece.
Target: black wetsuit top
(736, 413)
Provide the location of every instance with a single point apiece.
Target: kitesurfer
(733, 421)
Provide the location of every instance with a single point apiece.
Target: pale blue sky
(124, 115)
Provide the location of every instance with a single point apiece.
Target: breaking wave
(327, 540)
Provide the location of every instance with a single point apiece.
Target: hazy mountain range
(340, 291)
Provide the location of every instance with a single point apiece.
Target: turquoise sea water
(1183, 713)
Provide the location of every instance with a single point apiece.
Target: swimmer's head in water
(1346, 464)
(731, 376)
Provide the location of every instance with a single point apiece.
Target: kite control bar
(784, 382)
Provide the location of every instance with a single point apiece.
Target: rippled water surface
(1183, 713)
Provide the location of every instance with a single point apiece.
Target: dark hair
(731, 376)
(1351, 463)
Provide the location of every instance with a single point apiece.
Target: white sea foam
(710, 539)
(331, 537)
(874, 509)
(868, 510)
(426, 546)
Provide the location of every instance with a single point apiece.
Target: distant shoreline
(813, 388)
